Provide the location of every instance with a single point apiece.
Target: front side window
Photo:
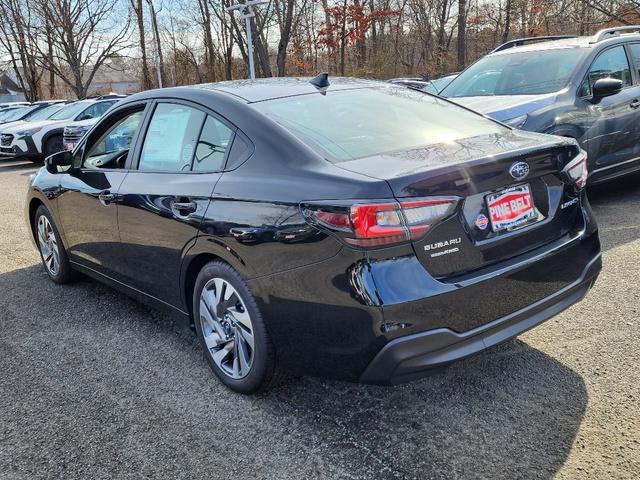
(112, 148)
(171, 138)
(516, 73)
(212, 146)
(611, 63)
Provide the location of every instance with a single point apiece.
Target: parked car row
(35, 131)
(353, 229)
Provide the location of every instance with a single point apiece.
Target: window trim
(100, 128)
(596, 57)
(196, 106)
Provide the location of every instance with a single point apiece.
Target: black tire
(263, 373)
(52, 145)
(64, 273)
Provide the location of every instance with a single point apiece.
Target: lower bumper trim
(414, 356)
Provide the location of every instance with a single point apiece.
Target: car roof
(564, 43)
(267, 88)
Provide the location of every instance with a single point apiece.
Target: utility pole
(247, 12)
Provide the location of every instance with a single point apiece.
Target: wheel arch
(56, 132)
(34, 204)
(206, 249)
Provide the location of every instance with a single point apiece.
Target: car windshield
(518, 73)
(69, 111)
(23, 112)
(439, 83)
(45, 112)
(15, 114)
(355, 123)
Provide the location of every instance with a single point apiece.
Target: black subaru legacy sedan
(357, 230)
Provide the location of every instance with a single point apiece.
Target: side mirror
(60, 162)
(86, 116)
(605, 87)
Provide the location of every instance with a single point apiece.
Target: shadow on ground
(95, 382)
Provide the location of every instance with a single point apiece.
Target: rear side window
(212, 146)
(611, 63)
(171, 138)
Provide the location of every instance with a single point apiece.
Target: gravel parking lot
(95, 385)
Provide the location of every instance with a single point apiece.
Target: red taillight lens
(577, 170)
(376, 224)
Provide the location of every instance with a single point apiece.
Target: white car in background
(36, 112)
(36, 140)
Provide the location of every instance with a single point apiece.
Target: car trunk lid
(512, 197)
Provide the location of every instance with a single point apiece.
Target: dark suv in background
(587, 88)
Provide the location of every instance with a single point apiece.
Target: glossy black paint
(329, 308)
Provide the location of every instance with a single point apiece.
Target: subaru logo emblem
(519, 170)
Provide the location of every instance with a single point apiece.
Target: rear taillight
(577, 171)
(375, 224)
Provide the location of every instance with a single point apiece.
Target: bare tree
(84, 35)
(138, 11)
(16, 36)
(158, 41)
(462, 34)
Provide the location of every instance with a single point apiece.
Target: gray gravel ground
(94, 385)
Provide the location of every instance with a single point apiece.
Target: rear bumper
(414, 356)
(382, 318)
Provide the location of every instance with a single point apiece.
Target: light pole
(247, 12)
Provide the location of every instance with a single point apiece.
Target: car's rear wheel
(232, 331)
(53, 255)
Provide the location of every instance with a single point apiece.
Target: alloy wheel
(226, 328)
(48, 245)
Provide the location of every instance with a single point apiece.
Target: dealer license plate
(511, 208)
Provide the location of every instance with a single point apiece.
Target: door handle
(184, 207)
(107, 197)
(635, 104)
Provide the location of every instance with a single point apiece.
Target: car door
(613, 131)
(88, 194)
(163, 200)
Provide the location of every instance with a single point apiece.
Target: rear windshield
(349, 124)
(518, 73)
